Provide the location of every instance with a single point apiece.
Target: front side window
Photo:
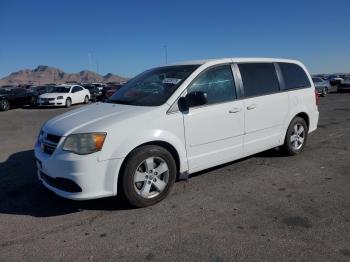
(153, 87)
(217, 83)
(259, 79)
(294, 76)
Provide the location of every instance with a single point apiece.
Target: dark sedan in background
(344, 86)
(16, 97)
(95, 92)
(42, 89)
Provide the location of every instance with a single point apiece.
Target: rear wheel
(296, 136)
(68, 102)
(324, 91)
(4, 105)
(148, 176)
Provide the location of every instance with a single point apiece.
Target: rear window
(294, 76)
(259, 79)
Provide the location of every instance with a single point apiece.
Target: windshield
(4, 92)
(153, 87)
(316, 80)
(61, 89)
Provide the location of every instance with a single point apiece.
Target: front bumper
(94, 178)
(55, 102)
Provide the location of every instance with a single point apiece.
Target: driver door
(214, 132)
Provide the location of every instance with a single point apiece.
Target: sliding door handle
(235, 110)
(251, 107)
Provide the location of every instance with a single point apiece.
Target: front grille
(48, 149)
(47, 99)
(53, 138)
(49, 143)
(61, 183)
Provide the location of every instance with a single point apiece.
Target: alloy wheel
(151, 177)
(297, 137)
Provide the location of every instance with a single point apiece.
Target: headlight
(59, 97)
(84, 144)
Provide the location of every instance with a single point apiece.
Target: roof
(235, 60)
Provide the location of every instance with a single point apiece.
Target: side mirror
(197, 98)
(193, 99)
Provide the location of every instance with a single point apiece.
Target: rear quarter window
(294, 76)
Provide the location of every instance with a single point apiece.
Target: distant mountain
(45, 75)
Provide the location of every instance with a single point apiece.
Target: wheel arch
(304, 116)
(166, 145)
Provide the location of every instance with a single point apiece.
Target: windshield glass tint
(153, 87)
(61, 89)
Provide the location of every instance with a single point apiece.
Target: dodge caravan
(172, 121)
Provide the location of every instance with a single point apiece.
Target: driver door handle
(235, 110)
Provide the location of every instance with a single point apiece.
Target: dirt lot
(263, 208)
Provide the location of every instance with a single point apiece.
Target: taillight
(317, 96)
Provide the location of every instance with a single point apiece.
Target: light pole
(166, 53)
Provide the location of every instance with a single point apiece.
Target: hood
(52, 95)
(92, 118)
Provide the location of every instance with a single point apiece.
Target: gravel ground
(263, 208)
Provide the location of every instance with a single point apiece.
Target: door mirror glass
(196, 98)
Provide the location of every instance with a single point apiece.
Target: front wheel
(86, 100)
(324, 91)
(148, 176)
(295, 137)
(68, 102)
(4, 105)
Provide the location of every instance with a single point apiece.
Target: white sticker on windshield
(173, 81)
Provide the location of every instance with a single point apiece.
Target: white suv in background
(172, 121)
(64, 95)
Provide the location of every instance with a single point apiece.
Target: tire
(33, 101)
(68, 102)
(4, 105)
(294, 142)
(324, 92)
(86, 100)
(147, 176)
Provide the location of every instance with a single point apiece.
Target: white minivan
(172, 121)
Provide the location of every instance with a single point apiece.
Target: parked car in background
(42, 89)
(15, 97)
(65, 95)
(321, 86)
(95, 92)
(100, 86)
(345, 85)
(336, 80)
(173, 121)
(109, 90)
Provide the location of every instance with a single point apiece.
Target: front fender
(122, 147)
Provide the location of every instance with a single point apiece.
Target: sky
(128, 37)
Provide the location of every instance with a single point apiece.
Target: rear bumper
(314, 116)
